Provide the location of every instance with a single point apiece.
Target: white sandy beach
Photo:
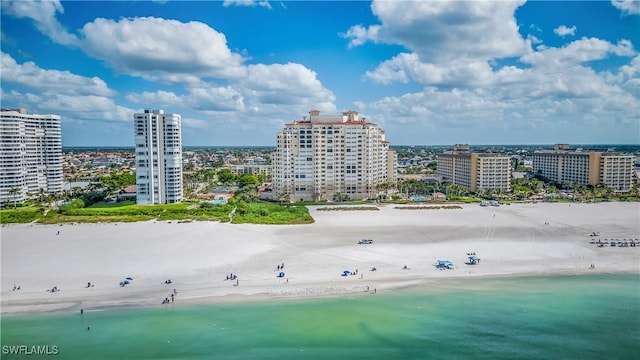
(197, 257)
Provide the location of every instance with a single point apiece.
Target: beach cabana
(473, 260)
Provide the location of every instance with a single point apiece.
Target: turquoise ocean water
(562, 317)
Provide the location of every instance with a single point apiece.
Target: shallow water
(585, 317)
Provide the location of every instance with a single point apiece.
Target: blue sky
(428, 72)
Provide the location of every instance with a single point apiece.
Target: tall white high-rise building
(30, 155)
(321, 156)
(158, 157)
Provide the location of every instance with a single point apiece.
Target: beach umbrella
(281, 274)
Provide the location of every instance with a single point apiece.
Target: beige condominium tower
(324, 155)
(475, 171)
(564, 166)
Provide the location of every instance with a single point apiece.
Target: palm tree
(600, 190)
(14, 191)
(383, 187)
(339, 197)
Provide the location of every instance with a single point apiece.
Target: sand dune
(197, 257)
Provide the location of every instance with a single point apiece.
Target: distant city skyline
(428, 72)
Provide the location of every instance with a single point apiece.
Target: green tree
(226, 177)
(383, 187)
(116, 181)
(340, 197)
(263, 178)
(284, 198)
(248, 180)
(247, 195)
(14, 191)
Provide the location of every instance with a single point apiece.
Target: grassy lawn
(21, 215)
(129, 206)
(54, 218)
(270, 213)
(129, 212)
(103, 204)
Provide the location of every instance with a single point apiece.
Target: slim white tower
(158, 157)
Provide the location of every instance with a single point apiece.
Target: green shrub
(75, 204)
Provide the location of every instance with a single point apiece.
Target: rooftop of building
(349, 117)
(564, 149)
(465, 150)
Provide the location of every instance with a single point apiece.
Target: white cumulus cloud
(31, 75)
(280, 84)
(43, 13)
(161, 50)
(628, 7)
(264, 4)
(446, 31)
(564, 31)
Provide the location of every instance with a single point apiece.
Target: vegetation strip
(255, 213)
(348, 208)
(428, 207)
